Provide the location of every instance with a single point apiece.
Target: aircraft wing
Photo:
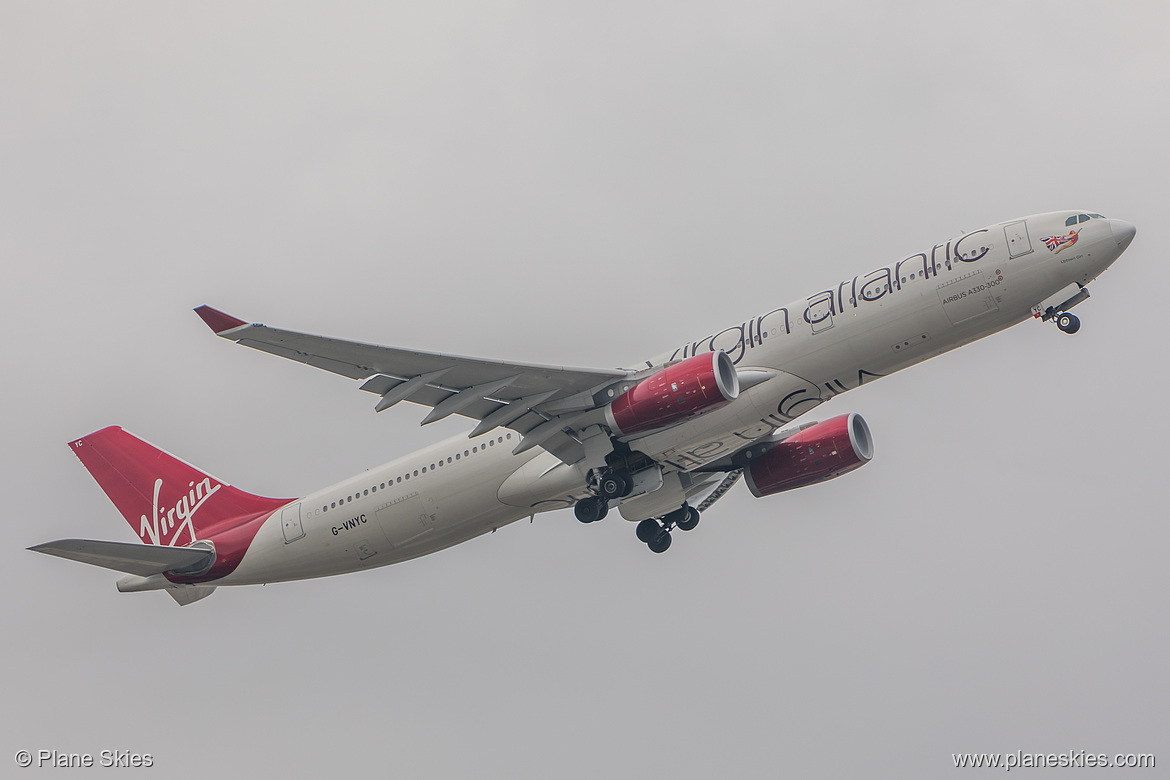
(539, 402)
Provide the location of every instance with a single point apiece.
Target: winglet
(217, 320)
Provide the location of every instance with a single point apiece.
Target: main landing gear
(591, 509)
(614, 484)
(610, 485)
(655, 533)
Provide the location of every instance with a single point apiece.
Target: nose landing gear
(1068, 323)
(1056, 307)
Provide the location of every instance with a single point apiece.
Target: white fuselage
(841, 337)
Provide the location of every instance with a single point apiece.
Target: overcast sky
(586, 184)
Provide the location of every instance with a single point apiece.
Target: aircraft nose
(1123, 232)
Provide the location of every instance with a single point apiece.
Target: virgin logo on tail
(163, 524)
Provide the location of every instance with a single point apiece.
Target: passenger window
(365, 492)
(400, 480)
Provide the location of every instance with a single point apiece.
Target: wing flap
(141, 559)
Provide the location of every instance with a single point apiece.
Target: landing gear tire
(691, 519)
(685, 518)
(1068, 323)
(647, 530)
(613, 485)
(661, 542)
(590, 510)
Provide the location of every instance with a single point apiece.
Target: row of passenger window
(406, 477)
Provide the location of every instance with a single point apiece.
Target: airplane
(659, 442)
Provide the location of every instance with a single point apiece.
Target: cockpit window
(1070, 221)
(1083, 217)
(1096, 216)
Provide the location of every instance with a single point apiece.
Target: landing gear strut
(655, 533)
(1068, 323)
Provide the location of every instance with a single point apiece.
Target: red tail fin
(165, 500)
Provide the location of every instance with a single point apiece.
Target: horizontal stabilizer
(141, 559)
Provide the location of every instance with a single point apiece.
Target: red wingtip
(217, 320)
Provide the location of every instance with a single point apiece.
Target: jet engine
(816, 454)
(690, 387)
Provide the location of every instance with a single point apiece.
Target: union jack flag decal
(1057, 244)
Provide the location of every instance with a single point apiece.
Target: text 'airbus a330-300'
(659, 443)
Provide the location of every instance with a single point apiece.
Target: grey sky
(588, 184)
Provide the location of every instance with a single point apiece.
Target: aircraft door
(1016, 233)
(290, 522)
(820, 314)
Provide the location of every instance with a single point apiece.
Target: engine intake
(690, 387)
(816, 454)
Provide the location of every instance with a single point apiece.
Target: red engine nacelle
(816, 454)
(688, 388)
